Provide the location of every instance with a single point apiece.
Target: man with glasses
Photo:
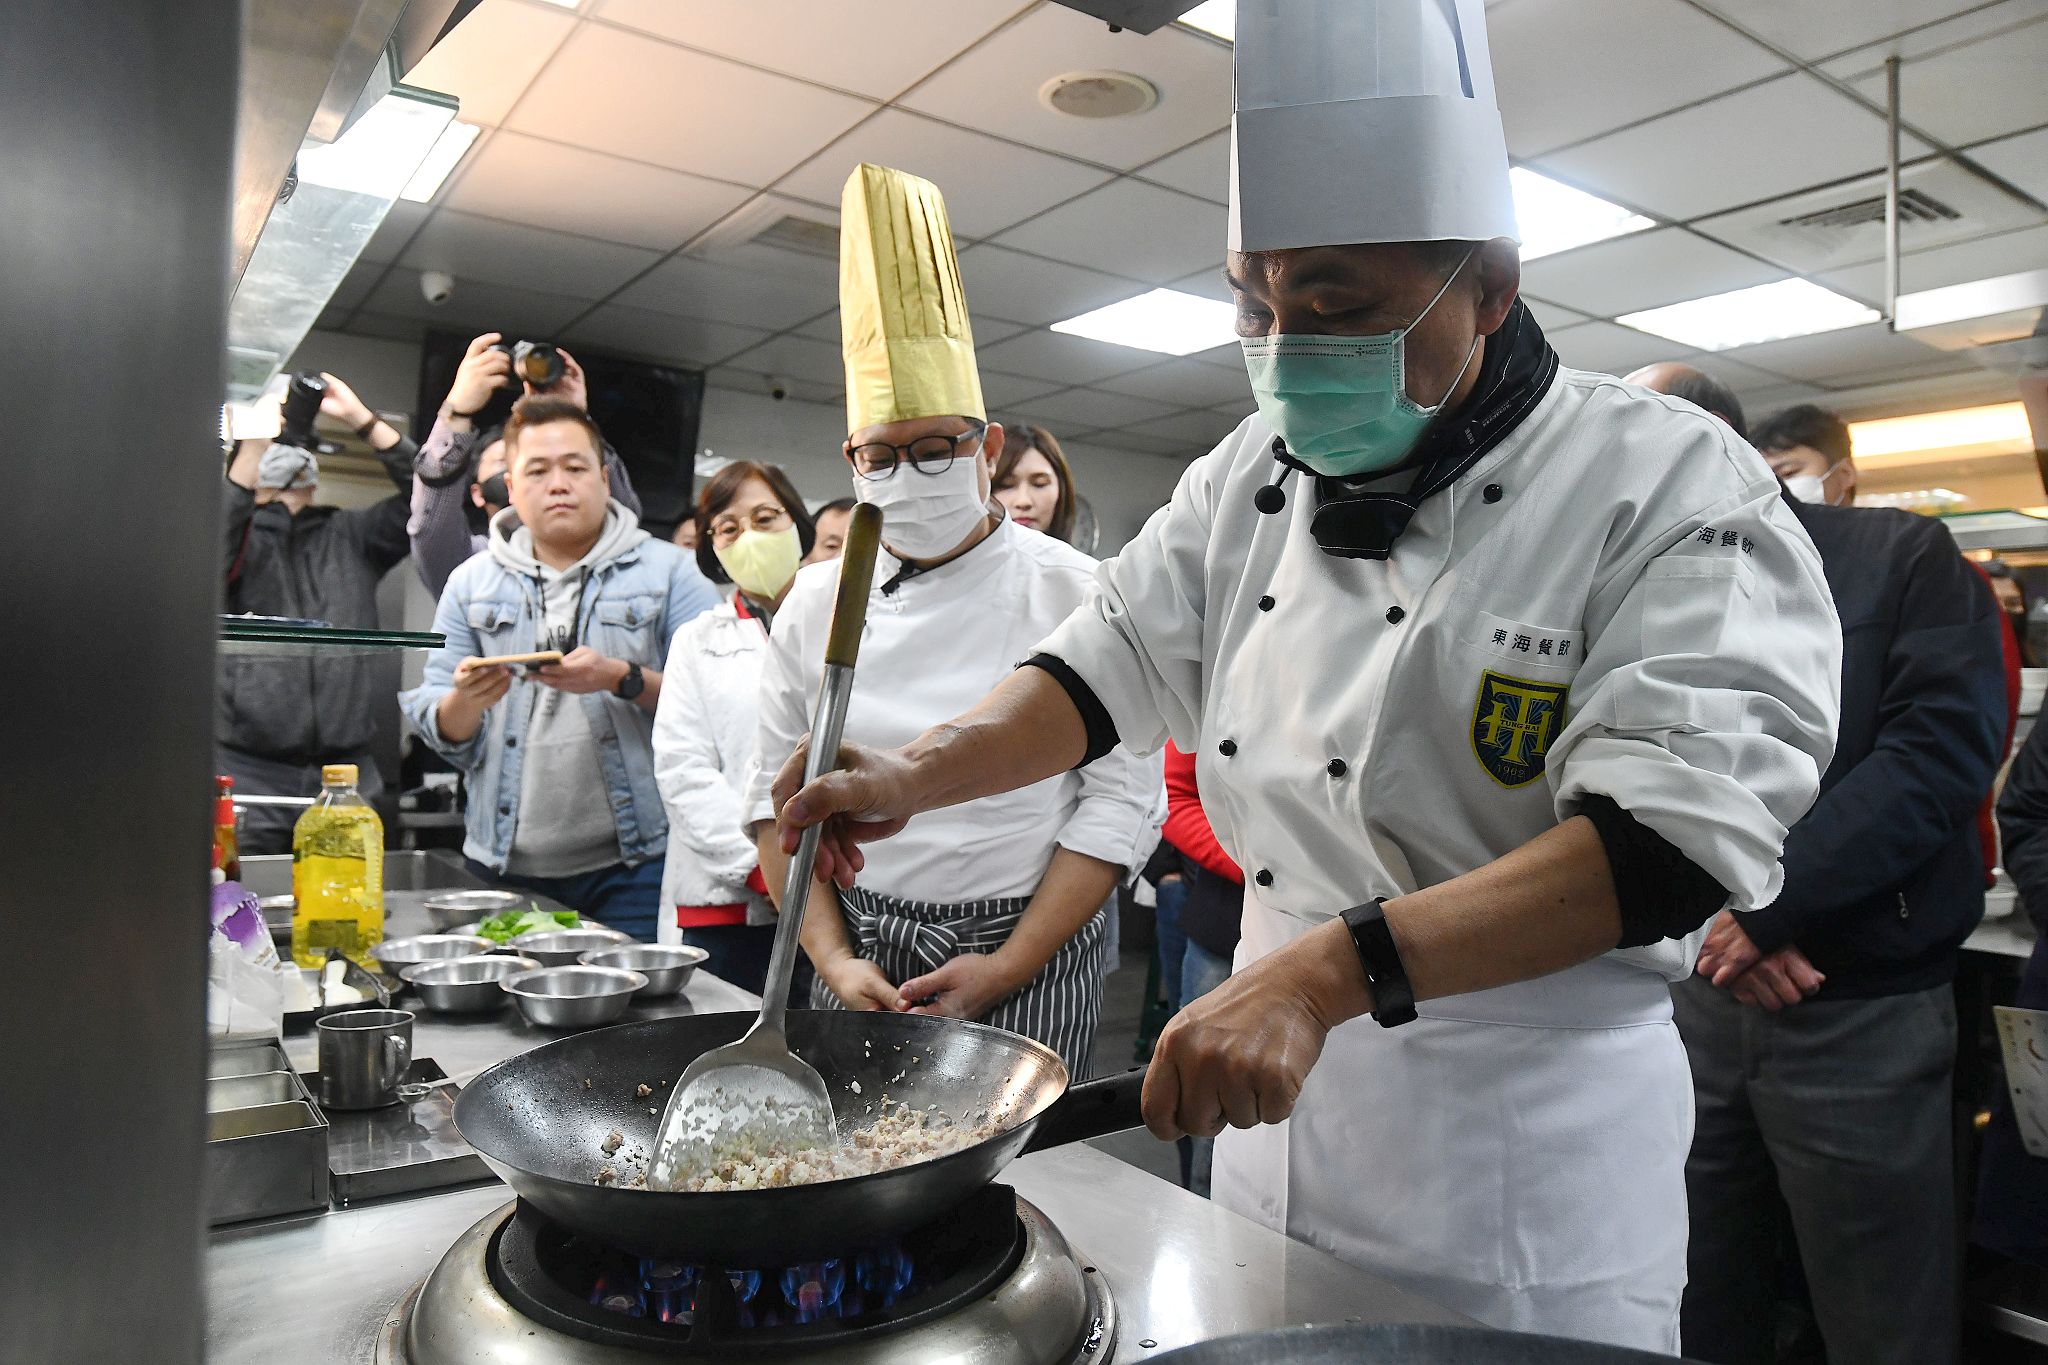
(990, 910)
(562, 797)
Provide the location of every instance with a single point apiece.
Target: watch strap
(633, 684)
(1393, 999)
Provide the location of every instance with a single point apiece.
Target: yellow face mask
(762, 562)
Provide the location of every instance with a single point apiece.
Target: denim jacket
(631, 610)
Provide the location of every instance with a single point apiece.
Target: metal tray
(245, 1057)
(402, 1148)
(249, 1092)
(265, 1161)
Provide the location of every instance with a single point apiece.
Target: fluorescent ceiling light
(1163, 320)
(442, 157)
(1744, 317)
(1218, 18)
(381, 151)
(1996, 424)
(1555, 217)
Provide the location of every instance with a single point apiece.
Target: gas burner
(993, 1280)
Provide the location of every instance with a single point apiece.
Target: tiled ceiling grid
(633, 149)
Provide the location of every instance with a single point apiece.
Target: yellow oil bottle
(337, 873)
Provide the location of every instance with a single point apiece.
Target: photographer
(283, 555)
(462, 465)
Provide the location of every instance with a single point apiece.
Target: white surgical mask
(925, 515)
(1812, 487)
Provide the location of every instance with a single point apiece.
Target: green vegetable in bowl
(511, 924)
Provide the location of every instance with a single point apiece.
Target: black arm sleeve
(1662, 893)
(1094, 715)
(2023, 824)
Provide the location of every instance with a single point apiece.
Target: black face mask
(494, 492)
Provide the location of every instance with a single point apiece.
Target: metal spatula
(757, 1092)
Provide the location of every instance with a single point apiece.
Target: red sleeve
(1187, 827)
(1987, 824)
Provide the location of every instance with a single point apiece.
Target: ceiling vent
(803, 235)
(1098, 94)
(1914, 207)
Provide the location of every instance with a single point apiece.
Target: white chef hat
(1365, 121)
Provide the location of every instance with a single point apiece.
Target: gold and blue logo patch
(1513, 723)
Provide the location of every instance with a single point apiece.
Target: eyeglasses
(877, 460)
(727, 526)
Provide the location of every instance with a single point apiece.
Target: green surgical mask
(762, 562)
(1341, 402)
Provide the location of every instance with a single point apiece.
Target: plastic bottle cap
(334, 774)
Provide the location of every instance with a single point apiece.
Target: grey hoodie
(566, 824)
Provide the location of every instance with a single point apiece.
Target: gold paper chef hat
(902, 311)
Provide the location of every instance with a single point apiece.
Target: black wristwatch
(1393, 999)
(633, 684)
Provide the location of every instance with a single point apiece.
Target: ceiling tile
(995, 87)
(1765, 399)
(2004, 254)
(1186, 383)
(1642, 270)
(1208, 284)
(1009, 390)
(752, 381)
(875, 47)
(387, 243)
(620, 92)
(1609, 348)
(386, 327)
(1203, 169)
(487, 60)
(988, 184)
(721, 293)
(355, 286)
(1151, 445)
(1083, 409)
(1675, 55)
(477, 304)
(690, 342)
(1833, 357)
(1009, 284)
(1552, 317)
(1195, 429)
(550, 184)
(1064, 359)
(1705, 159)
(1127, 228)
(1813, 29)
(472, 248)
(1966, 93)
(2023, 160)
(795, 357)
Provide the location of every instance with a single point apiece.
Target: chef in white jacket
(1503, 679)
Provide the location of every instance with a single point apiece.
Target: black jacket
(1884, 877)
(2023, 826)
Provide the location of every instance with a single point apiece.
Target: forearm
(1024, 731)
(824, 937)
(1072, 890)
(458, 718)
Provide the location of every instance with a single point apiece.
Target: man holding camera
(463, 465)
(284, 555)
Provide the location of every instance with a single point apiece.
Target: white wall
(1124, 488)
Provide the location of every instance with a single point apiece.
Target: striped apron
(1060, 1006)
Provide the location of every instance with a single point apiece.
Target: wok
(535, 1121)
(1404, 1344)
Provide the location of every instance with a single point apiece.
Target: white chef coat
(931, 649)
(704, 726)
(1612, 600)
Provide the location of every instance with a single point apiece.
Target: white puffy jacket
(704, 730)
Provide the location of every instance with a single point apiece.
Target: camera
(536, 362)
(436, 286)
(301, 406)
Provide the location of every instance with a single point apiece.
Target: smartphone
(525, 663)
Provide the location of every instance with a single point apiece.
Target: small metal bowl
(457, 912)
(465, 985)
(396, 954)
(668, 967)
(573, 997)
(561, 947)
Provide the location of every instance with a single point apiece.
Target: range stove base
(1053, 1309)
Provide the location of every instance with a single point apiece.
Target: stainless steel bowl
(561, 947)
(396, 954)
(573, 997)
(465, 985)
(456, 912)
(668, 967)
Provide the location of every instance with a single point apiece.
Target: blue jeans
(1201, 972)
(1173, 943)
(619, 897)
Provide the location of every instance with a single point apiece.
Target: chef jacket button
(1336, 767)
(1265, 604)
(1394, 615)
(1263, 877)
(511, 741)
(1492, 492)
(1227, 748)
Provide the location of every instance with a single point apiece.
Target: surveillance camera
(777, 389)
(436, 286)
